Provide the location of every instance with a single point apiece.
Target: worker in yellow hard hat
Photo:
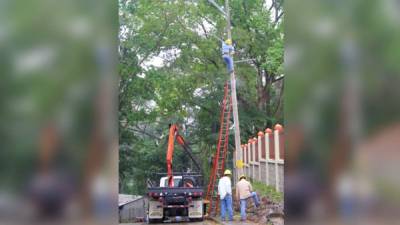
(225, 195)
(227, 52)
(244, 190)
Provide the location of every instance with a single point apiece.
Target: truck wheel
(155, 220)
(197, 219)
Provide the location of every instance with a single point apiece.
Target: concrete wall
(263, 158)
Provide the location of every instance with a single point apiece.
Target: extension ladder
(218, 166)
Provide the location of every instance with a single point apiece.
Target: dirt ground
(205, 222)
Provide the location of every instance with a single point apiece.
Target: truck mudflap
(196, 209)
(155, 210)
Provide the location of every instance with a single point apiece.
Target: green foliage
(187, 86)
(269, 191)
(55, 57)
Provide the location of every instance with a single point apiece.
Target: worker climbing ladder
(229, 105)
(218, 166)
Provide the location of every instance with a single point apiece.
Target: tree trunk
(279, 102)
(262, 93)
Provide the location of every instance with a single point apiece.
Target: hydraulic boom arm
(173, 134)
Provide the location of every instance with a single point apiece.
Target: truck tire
(155, 221)
(197, 219)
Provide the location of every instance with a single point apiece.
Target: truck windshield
(176, 182)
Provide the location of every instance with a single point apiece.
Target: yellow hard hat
(227, 172)
(228, 41)
(242, 176)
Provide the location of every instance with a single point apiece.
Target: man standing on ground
(244, 191)
(225, 195)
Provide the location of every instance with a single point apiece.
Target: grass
(265, 190)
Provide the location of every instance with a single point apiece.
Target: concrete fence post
(259, 142)
(268, 132)
(250, 158)
(243, 167)
(277, 130)
(263, 158)
(253, 146)
(256, 158)
(246, 161)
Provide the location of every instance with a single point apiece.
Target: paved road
(205, 222)
(197, 223)
(194, 223)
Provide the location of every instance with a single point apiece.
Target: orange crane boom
(173, 134)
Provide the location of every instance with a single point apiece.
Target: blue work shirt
(227, 49)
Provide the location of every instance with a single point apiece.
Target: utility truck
(178, 196)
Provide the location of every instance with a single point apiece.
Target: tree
(171, 71)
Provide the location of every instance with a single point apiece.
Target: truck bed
(175, 191)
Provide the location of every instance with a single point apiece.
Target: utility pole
(228, 19)
(238, 150)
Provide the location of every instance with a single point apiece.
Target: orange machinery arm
(173, 133)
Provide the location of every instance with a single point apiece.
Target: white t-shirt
(224, 187)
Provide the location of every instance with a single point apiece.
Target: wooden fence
(263, 157)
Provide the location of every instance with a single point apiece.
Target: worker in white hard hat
(225, 195)
(227, 52)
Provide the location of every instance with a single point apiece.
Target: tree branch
(207, 20)
(244, 101)
(278, 18)
(204, 29)
(272, 6)
(279, 100)
(278, 78)
(141, 131)
(202, 106)
(213, 62)
(158, 42)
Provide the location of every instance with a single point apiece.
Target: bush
(266, 190)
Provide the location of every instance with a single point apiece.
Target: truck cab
(164, 181)
(182, 202)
